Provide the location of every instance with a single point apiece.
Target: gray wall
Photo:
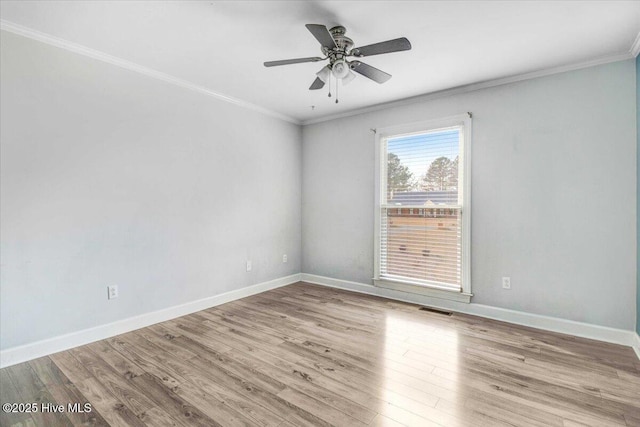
(110, 177)
(638, 191)
(553, 193)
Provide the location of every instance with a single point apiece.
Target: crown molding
(472, 87)
(635, 47)
(132, 66)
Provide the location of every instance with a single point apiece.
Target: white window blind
(421, 208)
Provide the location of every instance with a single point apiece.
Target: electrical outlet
(284, 258)
(112, 291)
(506, 282)
(248, 265)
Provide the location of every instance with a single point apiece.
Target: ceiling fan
(336, 47)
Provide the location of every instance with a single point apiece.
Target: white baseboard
(554, 324)
(37, 349)
(31, 351)
(636, 344)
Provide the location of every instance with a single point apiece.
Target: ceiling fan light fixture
(324, 74)
(340, 69)
(348, 78)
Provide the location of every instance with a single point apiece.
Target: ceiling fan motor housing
(344, 45)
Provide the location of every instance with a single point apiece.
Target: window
(424, 167)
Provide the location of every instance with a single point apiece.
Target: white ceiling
(221, 45)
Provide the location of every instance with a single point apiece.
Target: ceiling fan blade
(373, 73)
(292, 61)
(322, 34)
(317, 84)
(395, 45)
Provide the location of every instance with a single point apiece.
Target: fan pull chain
(329, 95)
(337, 81)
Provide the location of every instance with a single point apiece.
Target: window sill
(452, 294)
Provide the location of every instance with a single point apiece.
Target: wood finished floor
(305, 355)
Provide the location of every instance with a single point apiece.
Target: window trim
(460, 120)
